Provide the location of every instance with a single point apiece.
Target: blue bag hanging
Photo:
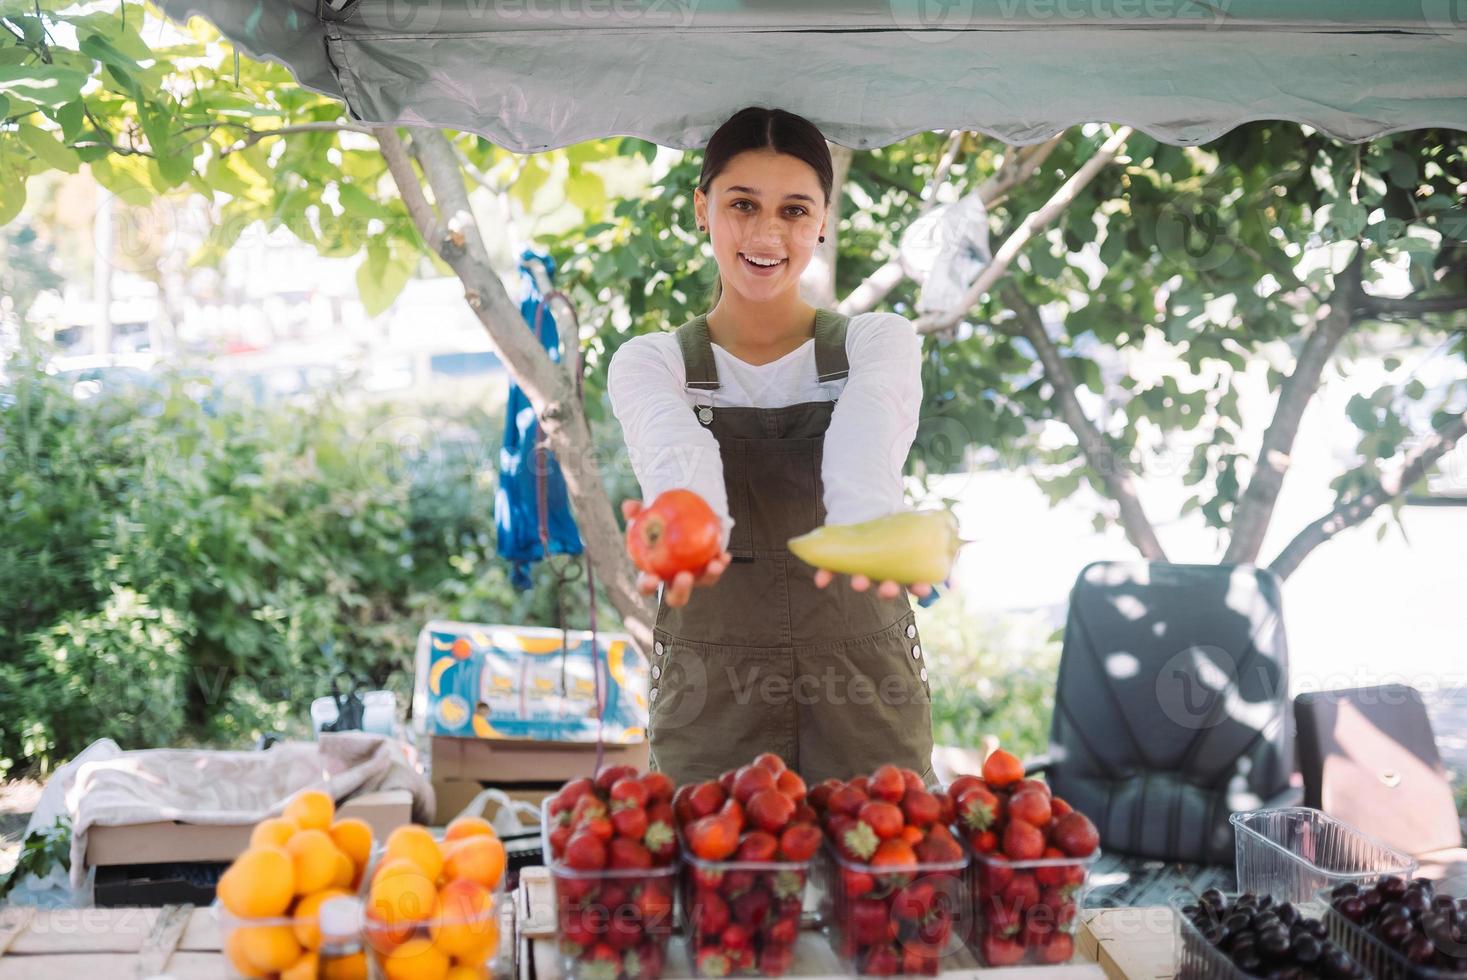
(523, 505)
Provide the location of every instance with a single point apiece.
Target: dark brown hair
(758, 128)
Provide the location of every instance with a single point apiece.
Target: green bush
(172, 569)
(994, 676)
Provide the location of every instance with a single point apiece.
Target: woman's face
(764, 205)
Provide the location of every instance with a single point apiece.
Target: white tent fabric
(532, 75)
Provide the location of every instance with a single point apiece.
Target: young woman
(783, 416)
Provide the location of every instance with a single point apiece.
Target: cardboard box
(508, 762)
(166, 841)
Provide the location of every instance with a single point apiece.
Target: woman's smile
(763, 267)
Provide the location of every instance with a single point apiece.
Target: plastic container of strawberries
(613, 924)
(1026, 912)
(741, 918)
(886, 923)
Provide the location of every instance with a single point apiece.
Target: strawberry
(1053, 874)
(775, 960)
(856, 883)
(947, 810)
(585, 852)
(869, 922)
(726, 780)
(821, 793)
(602, 962)
(1002, 769)
(752, 907)
(977, 808)
(911, 782)
(939, 846)
(859, 842)
(984, 842)
(1022, 841)
(575, 789)
(630, 822)
(558, 837)
(627, 853)
(847, 800)
(884, 819)
(1031, 783)
(994, 876)
(770, 761)
(737, 882)
(602, 827)
(799, 842)
(587, 808)
(998, 951)
(750, 780)
(1058, 807)
(769, 810)
(735, 936)
(643, 963)
(606, 778)
(1021, 892)
(1076, 835)
(661, 842)
(790, 784)
(623, 932)
(1059, 948)
(654, 905)
(781, 932)
(804, 813)
(893, 855)
(711, 962)
(629, 791)
(711, 838)
(921, 808)
(710, 914)
(887, 784)
(757, 845)
(705, 799)
(912, 835)
(681, 804)
(1031, 806)
(659, 787)
(1002, 919)
(882, 961)
(914, 902)
(962, 784)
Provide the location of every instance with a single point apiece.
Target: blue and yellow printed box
(478, 680)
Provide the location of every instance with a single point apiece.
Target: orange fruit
(466, 925)
(416, 959)
(477, 858)
(415, 844)
(402, 897)
(272, 831)
(270, 948)
(352, 967)
(354, 836)
(306, 912)
(312, 809)
(468, 826)
(304, 968)
(259, 884)
(462, 971)
(234, 951)
(314, 857)
(346, 872)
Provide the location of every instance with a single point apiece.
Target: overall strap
(831, 363)
(692, 338)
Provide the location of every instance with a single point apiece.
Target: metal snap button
(924, 675)
(652, 694)
(656, 672)
(916, 653)
(911, 630)
(658, 647)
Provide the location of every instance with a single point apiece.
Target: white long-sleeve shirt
(871, 428)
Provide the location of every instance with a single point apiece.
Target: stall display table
(183, 943)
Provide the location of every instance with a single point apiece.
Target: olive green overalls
(832, 679)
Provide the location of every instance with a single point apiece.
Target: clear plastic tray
(1197, 959)
(1379, 959)
(283, 940)
(609, 921)
(1293, 852)
(923, 915)
(1025, 931)
(773, 918)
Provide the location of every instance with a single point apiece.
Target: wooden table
(183, 943)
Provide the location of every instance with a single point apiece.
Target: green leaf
(4, 106)
(586, 191)
(70, 118)
(12, 195)
(48, 149)
(98, 47)
(42, 85)
(355, 200)
(382, 275)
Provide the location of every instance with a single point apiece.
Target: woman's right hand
(680, 589)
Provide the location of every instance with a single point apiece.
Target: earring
(822, 238)
(701, 228)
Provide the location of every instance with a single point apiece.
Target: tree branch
(255, 135)
(1017, 167)
(1352, 512)
(1411, 306)
(1032, 224)
(1113, 471)
(1254, 511)
(455, 236)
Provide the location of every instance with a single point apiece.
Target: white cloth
(871, 429)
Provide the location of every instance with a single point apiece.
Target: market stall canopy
(538, 74)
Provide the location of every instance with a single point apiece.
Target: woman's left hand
(887, 589)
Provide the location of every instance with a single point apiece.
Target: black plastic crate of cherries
(1401, 929)
(1225, 936)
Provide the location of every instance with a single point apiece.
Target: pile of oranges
(294, 862)
(431, 912)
